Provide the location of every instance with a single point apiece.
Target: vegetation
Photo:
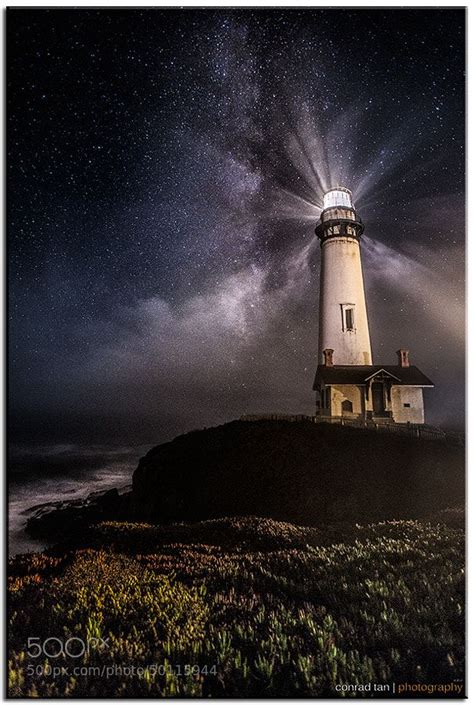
(240, 607)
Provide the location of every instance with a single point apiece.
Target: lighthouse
(348, 385)
(343, 322)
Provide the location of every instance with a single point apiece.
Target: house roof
(361, 374)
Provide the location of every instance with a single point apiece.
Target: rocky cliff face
(299, 472)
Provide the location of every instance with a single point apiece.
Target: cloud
(226, 346)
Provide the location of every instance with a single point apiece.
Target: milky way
(166, 172)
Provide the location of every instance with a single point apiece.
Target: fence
(278, 417)
(413, 430)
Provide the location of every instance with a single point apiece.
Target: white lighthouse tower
(343, 323)
(348, 385)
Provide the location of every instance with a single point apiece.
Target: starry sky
(166, 171)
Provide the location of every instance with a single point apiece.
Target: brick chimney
(328, 353)
(403, 360)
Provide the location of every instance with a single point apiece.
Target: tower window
(349, 318)
(407, 405)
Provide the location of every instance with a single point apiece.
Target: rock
(71, 519)
(109, 499)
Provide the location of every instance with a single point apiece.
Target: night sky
(166, 171)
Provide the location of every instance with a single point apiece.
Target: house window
(326, 398)
(346, 407)
(407, 405)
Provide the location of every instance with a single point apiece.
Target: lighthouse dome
(338, 196)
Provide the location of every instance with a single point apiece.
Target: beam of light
(436, 295)
(289, 205)
(318, 155)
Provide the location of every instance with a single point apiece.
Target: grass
(242, 607)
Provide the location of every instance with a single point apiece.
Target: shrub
(379, 603)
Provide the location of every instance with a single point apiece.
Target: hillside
(244, 608)
(302, 472)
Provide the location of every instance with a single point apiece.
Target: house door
(377, 398)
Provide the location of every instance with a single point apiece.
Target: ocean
(40, 475)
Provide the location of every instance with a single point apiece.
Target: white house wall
(350, 392)
(407, 395)
(400, 395)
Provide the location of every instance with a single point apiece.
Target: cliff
(302, 472)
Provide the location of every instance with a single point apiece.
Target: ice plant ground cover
(239, 607)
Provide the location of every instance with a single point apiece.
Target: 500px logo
(54, 647)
